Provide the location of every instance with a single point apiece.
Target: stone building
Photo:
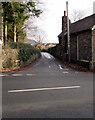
(82, 40)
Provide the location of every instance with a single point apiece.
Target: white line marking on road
(17, 75)
(65, 72)
(30, 74)
(49, 66)
(65, 69)
(47, 55)
(76, 72)
(60, 67)
(43, 89)
(2, 75)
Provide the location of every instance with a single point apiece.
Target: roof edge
(83, 18)
(93, 28)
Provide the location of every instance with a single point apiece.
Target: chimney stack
(64, 26)
(64, 22)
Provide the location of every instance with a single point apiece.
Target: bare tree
(77, 15)
(39, 38)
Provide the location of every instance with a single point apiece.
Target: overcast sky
(50, 21)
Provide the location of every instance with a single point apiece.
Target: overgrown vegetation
(15, 52)
(18, 54)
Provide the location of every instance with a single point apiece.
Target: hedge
(17, 54)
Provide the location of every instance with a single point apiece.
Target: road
(47, 89)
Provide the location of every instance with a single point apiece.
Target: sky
(49, 23)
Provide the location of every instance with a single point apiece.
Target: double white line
(43, 89)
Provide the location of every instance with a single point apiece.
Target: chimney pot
(64, 13)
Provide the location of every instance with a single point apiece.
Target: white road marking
(43, 89)
(30, 74)
(47, 55)
(2, 75)
(66, 69)
(76, 72)
(49, 66)
(65, 72)
(17, 75)
(60, 67)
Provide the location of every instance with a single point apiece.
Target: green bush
(16, 54)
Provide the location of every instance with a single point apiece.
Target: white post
(93, 7)
(92, 65)
(77, 48)
(68, 33)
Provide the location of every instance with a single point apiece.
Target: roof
(83, 24)
(60, 35)
(86, 23)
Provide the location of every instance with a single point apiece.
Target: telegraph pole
(68, 32)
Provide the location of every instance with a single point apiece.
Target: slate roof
(60, 35)
(84, 24)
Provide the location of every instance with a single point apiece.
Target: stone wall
(73, 47)
(94, 45)
(84, 45)
(93, 49)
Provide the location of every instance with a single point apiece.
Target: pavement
(47, 89)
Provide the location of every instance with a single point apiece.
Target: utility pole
(68, 32)
(94, 7)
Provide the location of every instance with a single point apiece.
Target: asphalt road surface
(47, 89)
